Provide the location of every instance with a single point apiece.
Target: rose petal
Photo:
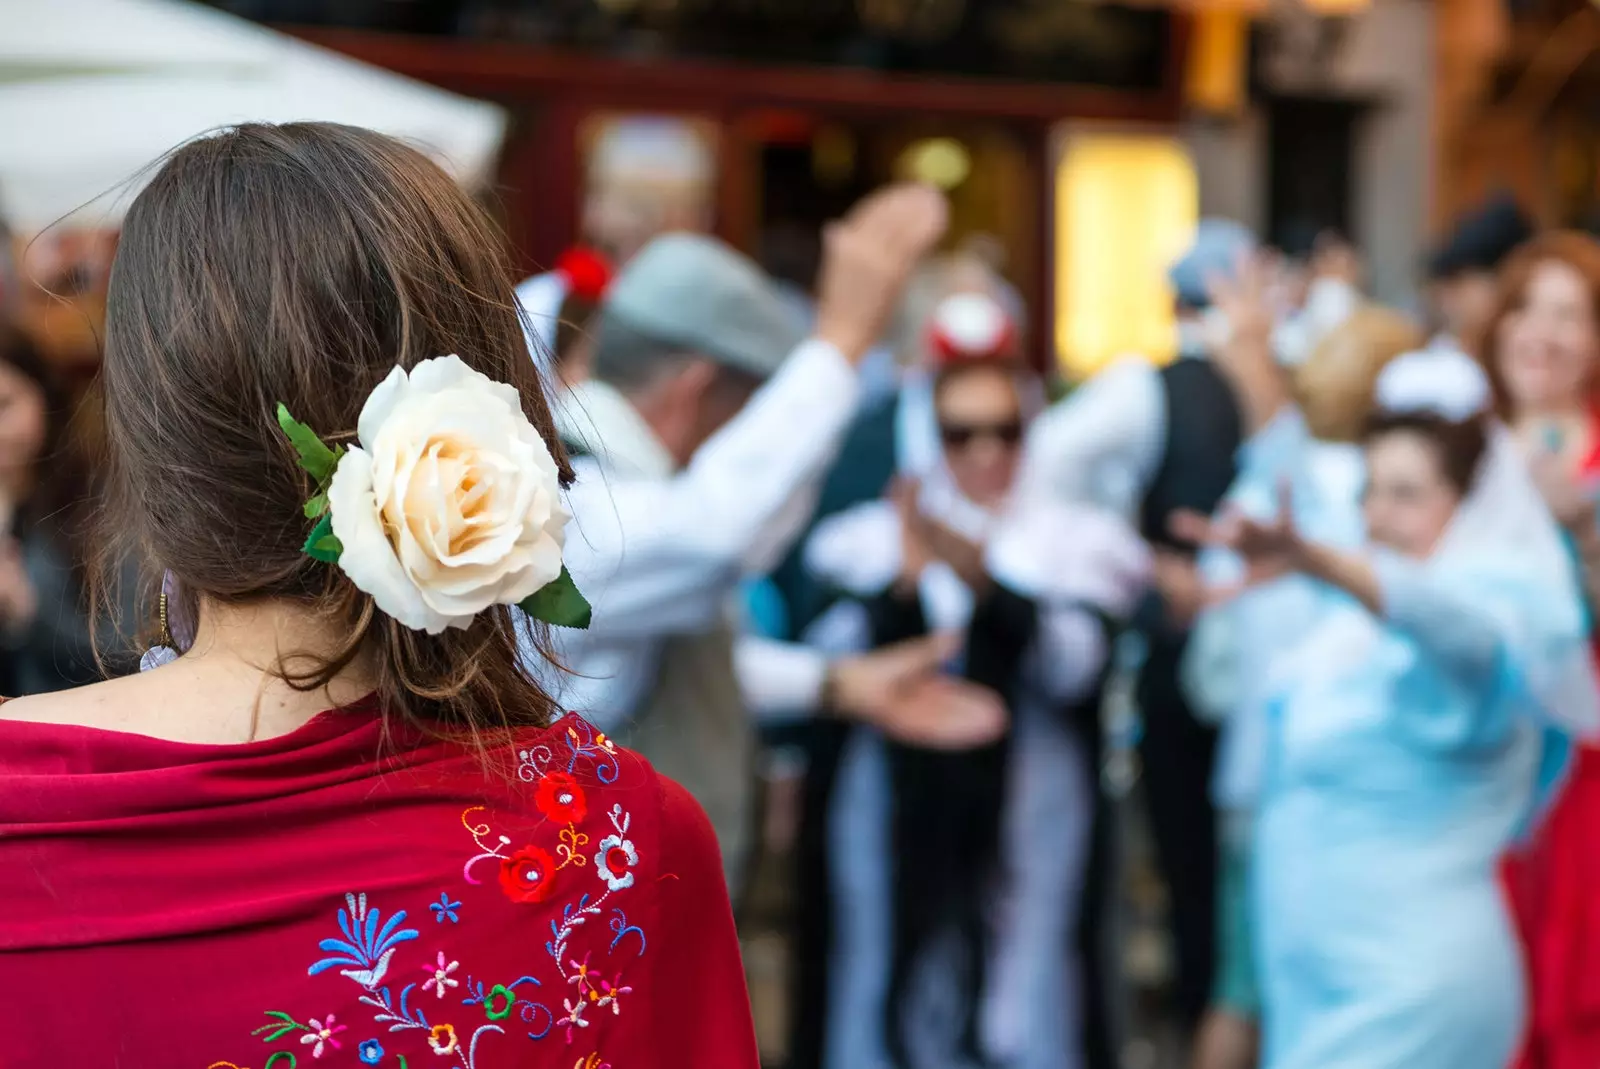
(380, 403)
(368, 558)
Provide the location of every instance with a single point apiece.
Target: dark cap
(1481, 238)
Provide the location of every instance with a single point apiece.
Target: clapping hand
(926, 539)
(901, 691)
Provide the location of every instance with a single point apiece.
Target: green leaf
(279, 1034)
(558, 602)
(316, 506)
(315, 457)
(322, 544)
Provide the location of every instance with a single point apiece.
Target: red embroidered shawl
(331, 899)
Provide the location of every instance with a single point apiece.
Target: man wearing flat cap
(1462, 271)
(701, 439)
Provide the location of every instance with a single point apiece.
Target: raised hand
(1571, 500)
(1270, 549)
(1245, 355)
(866, 259)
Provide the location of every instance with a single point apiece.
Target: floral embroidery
(614, 863)
(572, 842)
(439, 978)
(528, 875)
(443, 1039)
(444, 910)
(497, 1007)
(322, 1033)
(369, 938)
(281, 1025)
(574, 1018)
(610, 994)
(622, 929)
(365, 945)
(561, 799)
(276, 1057)
(583, 743)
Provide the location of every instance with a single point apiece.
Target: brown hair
(300, 264)
(1335, 385)
(574, 322)
(1578, 251)
(1459, 446)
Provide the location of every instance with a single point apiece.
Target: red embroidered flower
(561, 799)
(529, 875)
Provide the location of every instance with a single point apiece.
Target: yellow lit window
(1126, 208)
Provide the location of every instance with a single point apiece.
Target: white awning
(93, 91)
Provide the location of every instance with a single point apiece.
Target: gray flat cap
(693, 291)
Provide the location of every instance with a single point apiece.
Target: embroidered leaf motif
(559, 602)
(282, 1024)
(322, 544)
(363, 947)
(315, 456)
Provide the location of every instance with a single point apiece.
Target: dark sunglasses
(961, 435)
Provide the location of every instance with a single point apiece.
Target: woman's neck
(227, 688)
(1568, 428)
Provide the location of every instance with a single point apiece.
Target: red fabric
(294, 902)
(1554, 887)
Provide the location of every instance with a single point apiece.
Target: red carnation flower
(561, 799)
(586, 271)
(529, 875)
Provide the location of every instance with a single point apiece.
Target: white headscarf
(1504, 523)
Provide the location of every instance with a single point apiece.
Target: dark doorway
(1310, 166)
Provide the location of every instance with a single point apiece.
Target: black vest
(1204, 432)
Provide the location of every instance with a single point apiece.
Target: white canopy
(93, 91)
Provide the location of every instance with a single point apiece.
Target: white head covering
(1504, 520)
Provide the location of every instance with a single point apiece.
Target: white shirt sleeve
(779, 680)
(659, 556)
(1103, 442)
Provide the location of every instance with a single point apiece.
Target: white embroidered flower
(320, 1033)
(615, 861)
(451, 503)
(439, 976)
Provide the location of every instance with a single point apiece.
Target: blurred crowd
(1319, 586)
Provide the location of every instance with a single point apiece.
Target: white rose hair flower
(450, 503)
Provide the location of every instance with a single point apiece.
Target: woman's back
(330, 895)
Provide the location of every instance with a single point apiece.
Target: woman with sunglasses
(954, 878)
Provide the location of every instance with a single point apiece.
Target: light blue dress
(1401, 755)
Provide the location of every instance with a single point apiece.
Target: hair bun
(1437, 381)
(588, 274)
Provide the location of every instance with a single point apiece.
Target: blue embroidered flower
(445, 908)
(371, 1052)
